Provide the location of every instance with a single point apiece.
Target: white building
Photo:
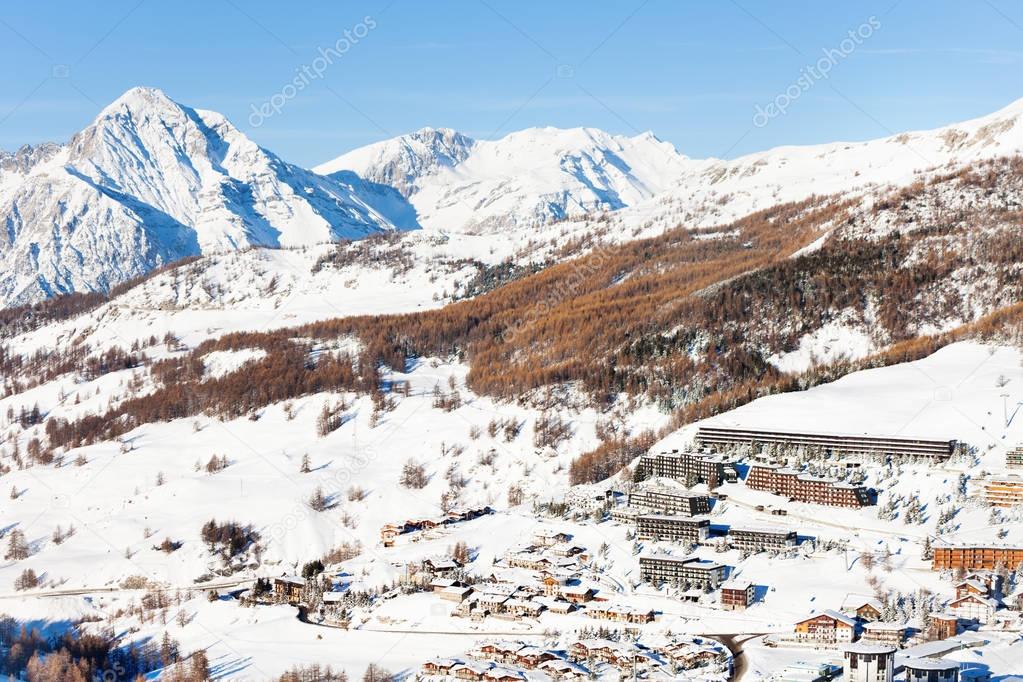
(931, 670)
(869, 663)
(974, 607)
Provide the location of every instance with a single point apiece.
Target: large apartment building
(836, 444)
(737, 594)
(806, 488)
(664, 500)
(663, 568)
(751, 539)
(974, 557)
(691, 467)
(1002, 491)
(685, 529)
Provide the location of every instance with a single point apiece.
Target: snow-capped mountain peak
(151, 180)
(402, 162)
(524, 179)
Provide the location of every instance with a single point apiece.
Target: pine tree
(168, 650)
(200, 665)
(17, 547)
(318, 501)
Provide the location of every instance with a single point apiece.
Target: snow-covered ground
(108, 521)
(955, 394)
(84, 216)
(127, 497)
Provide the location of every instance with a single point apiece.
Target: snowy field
(128, 497)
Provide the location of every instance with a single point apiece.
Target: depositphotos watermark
(818, 71)
(312, 71)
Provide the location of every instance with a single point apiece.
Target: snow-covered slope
(540, 175)
(151, 181)
(522, 180)
(713, 191)
(123, 500)
(403, 162)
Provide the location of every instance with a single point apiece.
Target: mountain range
(151, 181)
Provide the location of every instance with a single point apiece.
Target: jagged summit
(524, 179)
(151, 180)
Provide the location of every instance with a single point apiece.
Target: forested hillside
(685, 319)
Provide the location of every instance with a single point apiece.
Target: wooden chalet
(827, 627)
(289, 588)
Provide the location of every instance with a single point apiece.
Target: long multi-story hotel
(836, 444)
(1003, 491)
(973, 557)
(806, 488)
(750, 539)
(664, 500)
(691, 467)
(688, 529)
(662, 568)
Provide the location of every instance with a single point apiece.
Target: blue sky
(692, 72)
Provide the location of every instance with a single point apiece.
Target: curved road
(80, 591)
(733, 643)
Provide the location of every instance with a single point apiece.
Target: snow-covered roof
(930, 664)
(764, 529)
(621, 608)
(834, 615)
(884, 627)
(291, 579)
(664, 489)
(736, 584)
(860, 602)
(868, 648)
(987, 601)
(698, 520)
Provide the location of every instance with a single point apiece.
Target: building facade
(1003, 491)
(930, 670)
(760, 539)
(665, 500)
(737, 595)
(661, 568)
(691, 467)
(827, 627)
(867, 610)
(944, 625)
(975, 557)
(684, 529)
(289, 588)
(836, 444)
(805, 488)
(891, 634)
(1014, 458)
(974, 607)
(620, 613)
(869, 663)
